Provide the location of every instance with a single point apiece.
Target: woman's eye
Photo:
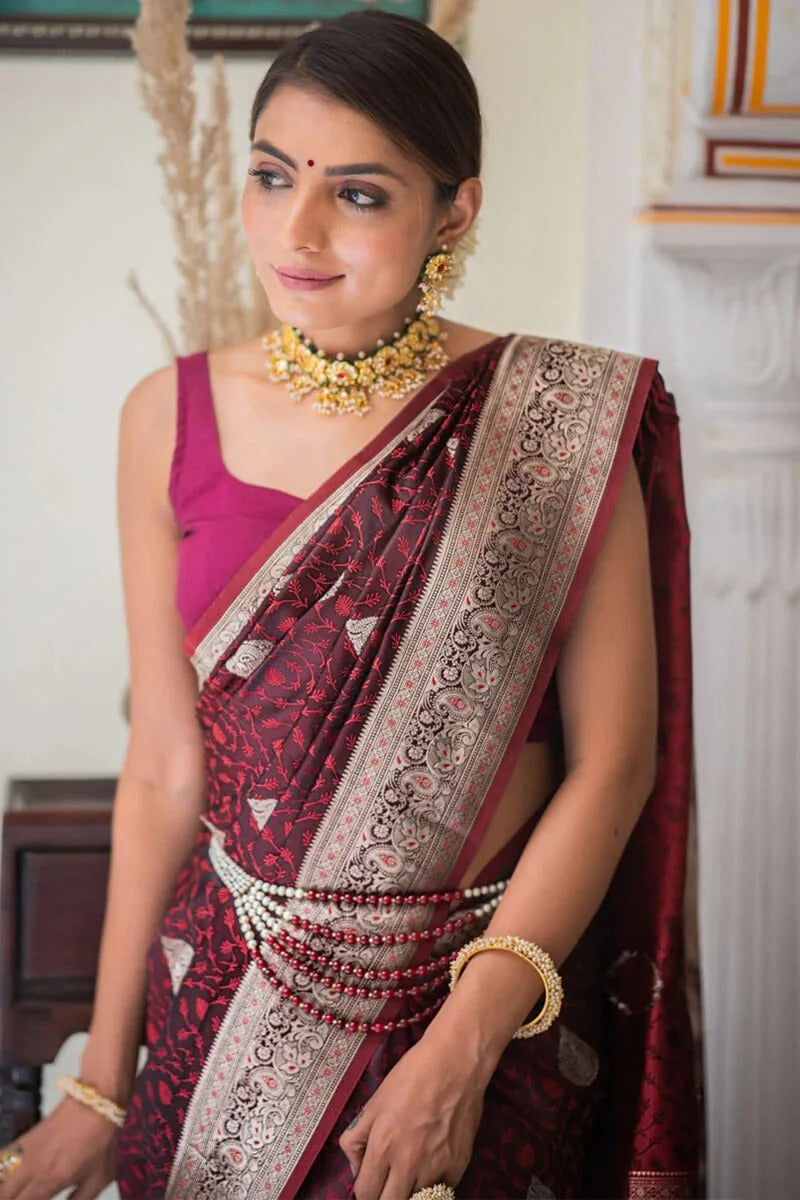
(361, 199)
(267, 179)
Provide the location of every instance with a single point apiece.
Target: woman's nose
(304, 227)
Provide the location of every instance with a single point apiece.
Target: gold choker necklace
(342, 384)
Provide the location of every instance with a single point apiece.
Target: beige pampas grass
(220, 300)
(214, 308)
(449, 18)
(166, 78)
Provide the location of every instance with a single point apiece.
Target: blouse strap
(197, 454)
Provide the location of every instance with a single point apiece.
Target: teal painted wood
(283, 11)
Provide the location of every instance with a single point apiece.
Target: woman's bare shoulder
(149, 407)
(148, 428)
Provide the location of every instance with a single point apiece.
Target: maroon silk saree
(367, 682)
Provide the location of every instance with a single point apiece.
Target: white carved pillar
(719, 304)
(732, 341)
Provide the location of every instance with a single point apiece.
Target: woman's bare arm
(160, 791)
(159, 796)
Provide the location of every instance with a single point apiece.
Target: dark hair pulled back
(401, 75)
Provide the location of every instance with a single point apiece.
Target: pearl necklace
(344, 384)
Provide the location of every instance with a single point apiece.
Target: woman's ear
(461, 213)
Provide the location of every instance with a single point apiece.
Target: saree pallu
(367, 682)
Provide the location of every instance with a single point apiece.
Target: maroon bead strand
(379, 939)
(439, 965)
(383, 899)
(329, 1018)
(346, 989)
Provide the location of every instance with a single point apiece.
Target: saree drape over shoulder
(367, 682)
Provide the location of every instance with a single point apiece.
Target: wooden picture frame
(255, 27)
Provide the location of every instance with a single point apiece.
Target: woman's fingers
(372, 1176)
(32, 1191)
(39, 1184)
(72, 1147)
(399, 1184)
(89, 1189)
(33, 1179)
(38, 1189)
(354, 1140)
(362, 1148)
(355, 1156)
(14, 1177)
(36, 1178)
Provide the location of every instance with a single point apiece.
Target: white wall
(612, 164)
(530, 62)
(79, 207)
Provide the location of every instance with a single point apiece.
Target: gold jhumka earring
(393, 368)
(434, 282)
(443, 270)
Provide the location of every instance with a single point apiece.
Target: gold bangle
(538, 958)
(86, 1094)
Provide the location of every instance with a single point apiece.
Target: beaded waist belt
(288, 944)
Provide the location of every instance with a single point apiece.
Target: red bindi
(311, 162)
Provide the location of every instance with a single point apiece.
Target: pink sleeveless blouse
(223, 520)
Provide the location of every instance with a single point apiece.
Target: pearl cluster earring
(437, 271)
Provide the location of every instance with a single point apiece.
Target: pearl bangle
(86, 1094)
(538, 958)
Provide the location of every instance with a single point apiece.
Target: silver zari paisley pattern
(178, 955)
(250, 654)
(577, 1060)
(538, 1190)
(262, 808)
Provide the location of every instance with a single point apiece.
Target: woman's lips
(297, 284)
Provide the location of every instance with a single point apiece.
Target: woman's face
(336, 197)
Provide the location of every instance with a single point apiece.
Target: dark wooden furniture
(53, 873)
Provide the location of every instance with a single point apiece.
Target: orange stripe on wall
(690, 216)
(767, 161)
(777, 110)
(723, 46)
(760, 42)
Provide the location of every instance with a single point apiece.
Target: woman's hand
(72, 1147)
(419, 1126)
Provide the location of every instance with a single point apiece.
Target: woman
(441, 665)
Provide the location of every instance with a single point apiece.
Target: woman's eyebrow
(268, 148)
(364, 168)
